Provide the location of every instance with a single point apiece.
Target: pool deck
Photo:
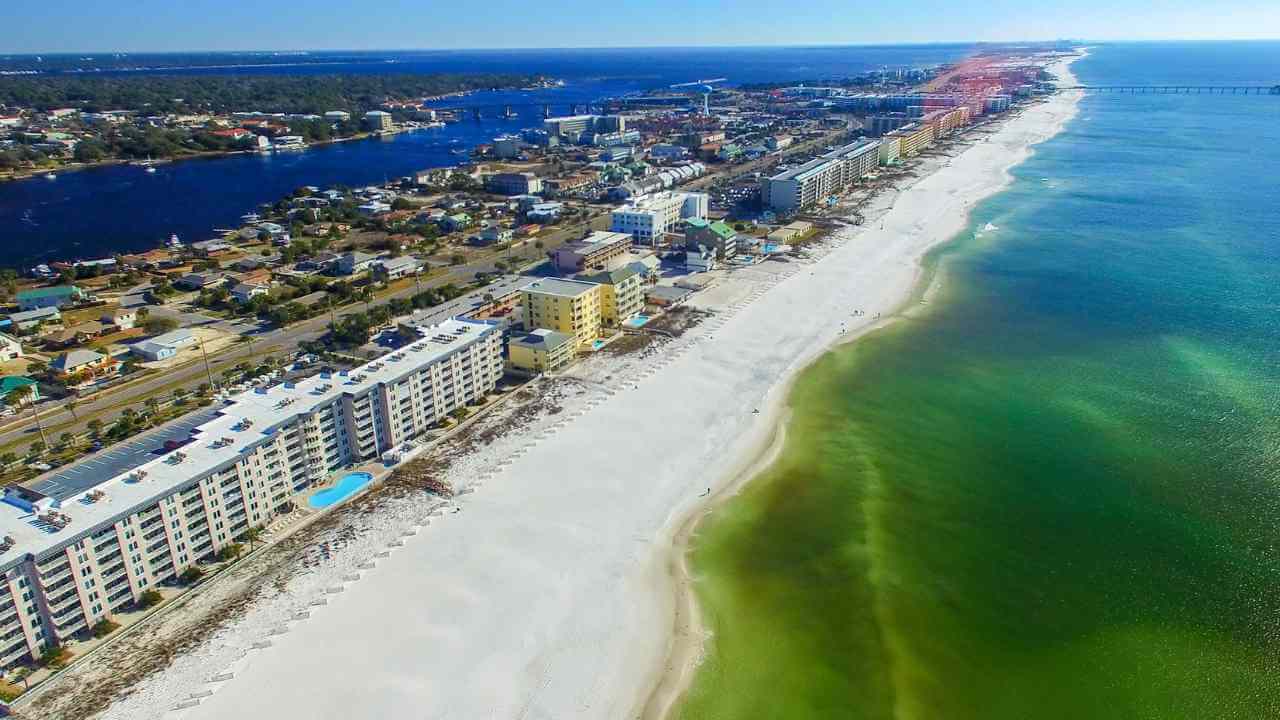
(378, 472)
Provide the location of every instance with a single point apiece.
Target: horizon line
(1076, 41)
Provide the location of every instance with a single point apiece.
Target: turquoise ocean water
(1055, 493)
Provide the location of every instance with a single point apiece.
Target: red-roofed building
(233, 133)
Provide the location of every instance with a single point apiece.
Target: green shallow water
(1054, 494)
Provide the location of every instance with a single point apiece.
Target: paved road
(108, 404)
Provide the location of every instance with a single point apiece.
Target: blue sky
(175, 25)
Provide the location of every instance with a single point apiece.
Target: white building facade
(648, 218)
(75, 553)
(806, 185)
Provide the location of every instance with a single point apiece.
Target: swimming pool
(637, 321)
(345, 488)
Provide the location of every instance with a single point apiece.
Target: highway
(108, 404)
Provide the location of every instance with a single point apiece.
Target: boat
(50, 176)
(173, 242)
(151, 168)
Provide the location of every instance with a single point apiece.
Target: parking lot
(84, 474)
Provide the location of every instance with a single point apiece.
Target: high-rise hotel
(85, 542)
(808, 184)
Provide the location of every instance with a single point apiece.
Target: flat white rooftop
(242, 422)
(561, 287)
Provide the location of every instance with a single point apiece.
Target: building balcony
(59, 605)
(47, 579)
(109, 558)
(57, 587)
(80, 623)
(52, 563)
(106, 547)
(14, 653)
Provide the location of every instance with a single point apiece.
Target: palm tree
(71, 405)
(251, 536)
(19, 396)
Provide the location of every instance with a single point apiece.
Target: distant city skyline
(62, 26)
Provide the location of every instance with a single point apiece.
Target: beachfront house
(540, 351)
(58, 296)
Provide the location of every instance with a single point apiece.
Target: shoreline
(549, 596)
(688, 634)
(202, 155)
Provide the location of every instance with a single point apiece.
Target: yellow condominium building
(621, 294)
(572, 307)
(912, 139)
(541, 350)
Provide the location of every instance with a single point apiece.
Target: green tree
(90, 150)
(160, 325)
(191, 575)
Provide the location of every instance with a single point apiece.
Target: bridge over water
(551, 109)
(1181, 89)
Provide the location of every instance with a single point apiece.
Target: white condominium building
(803, 186)
(857, 160)
(647, 218)
(83, 543)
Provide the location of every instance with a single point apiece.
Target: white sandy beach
(547, 592)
